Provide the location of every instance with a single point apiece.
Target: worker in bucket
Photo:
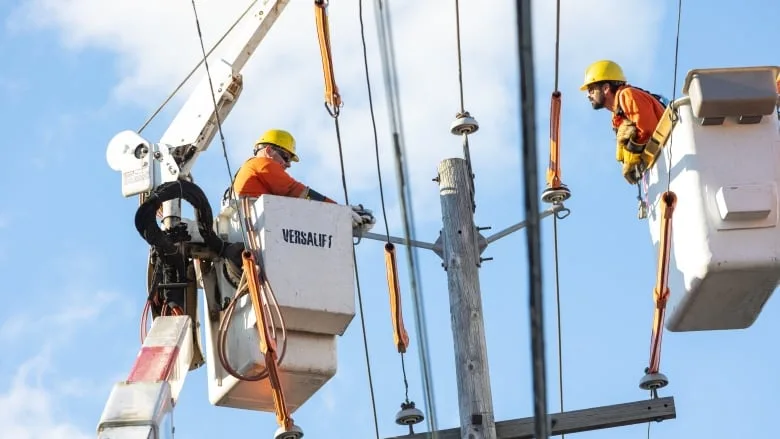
(266, 173)
(635, 114)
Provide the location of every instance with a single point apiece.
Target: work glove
(629, 153)
(625, 132)
(357, 220)
(619, 152)
(633, 167)
(362, 218)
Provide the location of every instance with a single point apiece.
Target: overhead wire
(668, 201)
(262, 297)
(194, 69)
(142, 197)
(223, 143)
(373, 119)
(674, 82)
(218, 118)
(556, 133)
(463, 113)
(384, 29)
(359, 293)
(378, 166)
(332, 104)
(531, 204)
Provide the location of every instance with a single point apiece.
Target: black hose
(146, 216)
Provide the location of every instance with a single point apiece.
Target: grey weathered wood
(577, 421)
(461, 260)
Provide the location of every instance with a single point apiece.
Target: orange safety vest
(641, 108)
(262, 175)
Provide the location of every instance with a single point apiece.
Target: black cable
(463, 112)
(194, 69)
(216, 112)
(555, 223)
(558, 311)
(404, 195)
(460, 57)
(531, 203)
(373, 119)
(357, 281)
(674, 84)
(146, 221)
(378, 166)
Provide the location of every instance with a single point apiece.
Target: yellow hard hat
(281, 138)
(603, 70)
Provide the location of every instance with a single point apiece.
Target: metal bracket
(482, 242)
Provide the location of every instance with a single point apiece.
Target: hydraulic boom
(161, 174)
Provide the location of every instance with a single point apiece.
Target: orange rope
(332, 97)
(266, 342)
(554, 168)
(661, 290)
(400, 337)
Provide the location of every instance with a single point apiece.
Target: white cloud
(74, 310)
(33, 406)
(38, 399)
(28, 410)
(156, 45)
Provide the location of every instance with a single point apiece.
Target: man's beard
(597, 105)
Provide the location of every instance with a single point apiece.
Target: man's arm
(282, 183)
(639, 108)
(311, 194)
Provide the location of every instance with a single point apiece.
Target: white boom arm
(145, 165)
(140, 407)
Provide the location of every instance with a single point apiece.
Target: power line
(357, 282)
(404, 194)
(674, 83)
(460, 56)
(463, 115)
(373, 118)
(674, 97)
(216, 115)
(378, 165)
(194, 69)
(531, 203)
(559, 324)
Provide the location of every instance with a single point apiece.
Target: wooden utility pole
(460, 245)
(461, 259)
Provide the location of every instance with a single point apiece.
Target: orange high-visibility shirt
(263, 175)
(638, 107)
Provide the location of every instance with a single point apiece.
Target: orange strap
(554, 168)
(332, 97)
(661, 291)
(267, 344)
(400, 337)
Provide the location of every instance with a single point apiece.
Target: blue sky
(77, 72)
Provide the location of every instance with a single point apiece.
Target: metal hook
(642, 208)
(563, 213)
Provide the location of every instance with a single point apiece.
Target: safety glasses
(286, 156)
